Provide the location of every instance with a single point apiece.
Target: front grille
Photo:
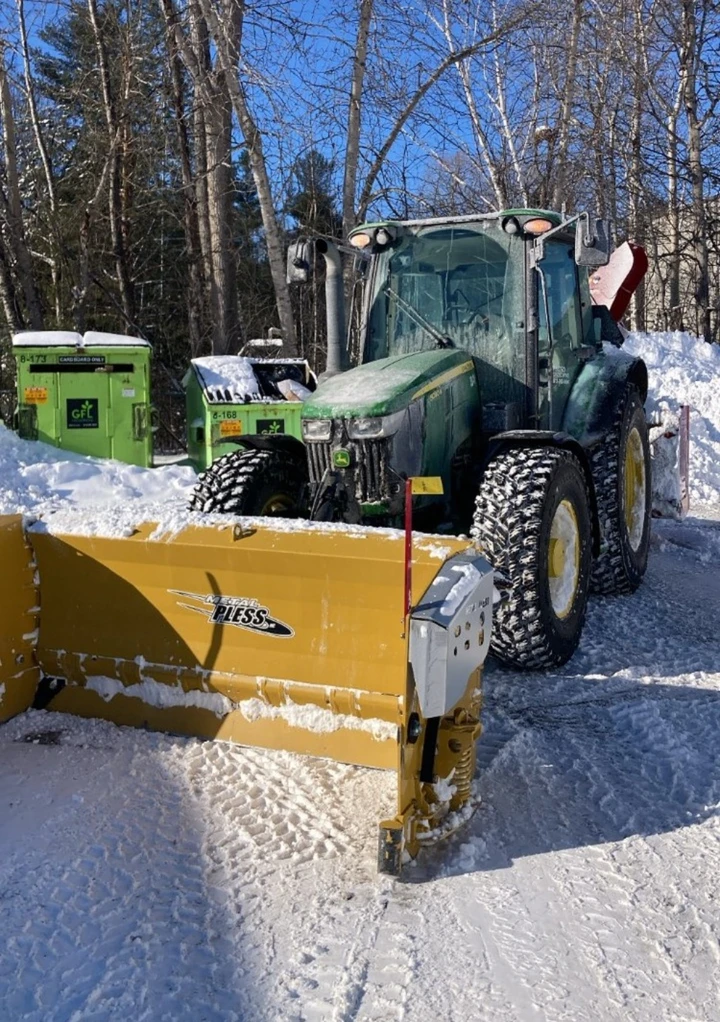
(371, 479)
(368, 470)
(319, 459)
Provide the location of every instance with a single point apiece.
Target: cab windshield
(458, 286)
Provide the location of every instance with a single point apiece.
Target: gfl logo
(85, 411)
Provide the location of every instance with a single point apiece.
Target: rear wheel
(262, 483)
(621, 473)
(533, 524)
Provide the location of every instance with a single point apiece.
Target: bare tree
(195, 296)
(11, 212)
(225, 21)
(116, 139)
(53, 260)
(690, 56)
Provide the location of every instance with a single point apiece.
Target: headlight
(316, 429)
(374, 426)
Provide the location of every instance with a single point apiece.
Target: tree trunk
(673, 316)
(115, 177)
(481, 137)
(635, 177)
(352, 143)
(80, 292)
(695, 166)
(12, 208)
(227, 36)
(212, 193)
(563, 127)
(8, 298)
(196, 281)
(226, 327)
(45, 161)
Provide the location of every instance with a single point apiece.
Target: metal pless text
(237, 611)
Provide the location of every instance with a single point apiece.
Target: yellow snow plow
(270, 637)
(19, 672)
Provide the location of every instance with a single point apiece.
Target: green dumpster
(86, 393)
(229, 396)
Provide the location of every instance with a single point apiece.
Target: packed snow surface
(152, 877)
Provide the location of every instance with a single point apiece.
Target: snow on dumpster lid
(71, 339)
(227, 378)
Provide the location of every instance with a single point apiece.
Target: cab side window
(561, 284)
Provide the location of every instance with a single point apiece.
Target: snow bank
(36, 478)
(685, 370)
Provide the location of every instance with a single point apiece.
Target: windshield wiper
(418, 319)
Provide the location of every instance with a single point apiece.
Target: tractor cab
(473, 327)
(490, 287)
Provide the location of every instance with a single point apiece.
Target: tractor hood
(385, 386)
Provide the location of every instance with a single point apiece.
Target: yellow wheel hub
(634, 488)
(277, 505)
(564, 559)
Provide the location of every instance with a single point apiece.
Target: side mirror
(592, 244)
(299, 259)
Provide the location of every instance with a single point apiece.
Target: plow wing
(19, 673)
(279, 639)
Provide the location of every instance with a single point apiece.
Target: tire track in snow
(589, 778)
(356, 958)
(111, 918)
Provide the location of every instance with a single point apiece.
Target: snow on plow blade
(279, 639)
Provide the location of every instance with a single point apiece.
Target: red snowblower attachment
(614, 284)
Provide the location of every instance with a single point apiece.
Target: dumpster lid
(71, 339)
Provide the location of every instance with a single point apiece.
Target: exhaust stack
(335, 306)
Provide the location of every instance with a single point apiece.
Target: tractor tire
(620, 467)
(532, 521)
(258, 483)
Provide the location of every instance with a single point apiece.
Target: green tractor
(483, 363)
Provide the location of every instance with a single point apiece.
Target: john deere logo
(240, 611)
(341, 458)
(82, 413)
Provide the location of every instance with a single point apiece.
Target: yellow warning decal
(35, 395)
(426, 484)
(230, 427)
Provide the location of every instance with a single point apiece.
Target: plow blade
(19, 674)
(280, 639)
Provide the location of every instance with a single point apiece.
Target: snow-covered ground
(148, 877)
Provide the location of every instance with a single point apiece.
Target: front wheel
(533, 524)
(258, 483)
(621, 473)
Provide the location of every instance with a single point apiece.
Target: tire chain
(507, 522)
(608, 573)
(225, 479)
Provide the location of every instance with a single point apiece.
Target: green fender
(597, 392)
